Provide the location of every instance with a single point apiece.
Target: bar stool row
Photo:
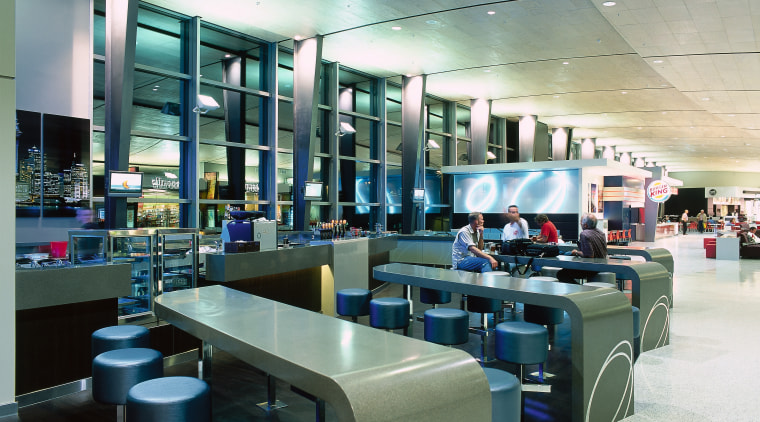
(128, 374)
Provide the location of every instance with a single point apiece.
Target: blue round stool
(434, 297)
(636, 332)
(170, 399)
(523, 343)
(389, 313)
(119, 337)
(116, 371)
(484, 306)
(505, 395)
(353, 302)
(447, 326)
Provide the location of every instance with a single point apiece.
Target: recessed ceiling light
(664, 112)
(623, 92)
(705, 98)
(487, 70)
(556, 96)
(297, 38)
(228, 55)
(396, 28)
(491, 12)
(431, 21)
(565, 62)
(609, 3)
(732, 115)
(657, 61)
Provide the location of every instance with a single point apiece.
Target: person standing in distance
(467, 251)
(685, 220)
(701, 220)
(516, 228)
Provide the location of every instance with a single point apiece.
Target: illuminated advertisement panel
(552, 192)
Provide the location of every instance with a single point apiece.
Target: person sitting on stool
(467, 251)
(592, 244)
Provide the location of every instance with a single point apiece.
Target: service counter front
(57, 309)
(667, 230)
(304, 276)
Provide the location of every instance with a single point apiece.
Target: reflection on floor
(712, 335)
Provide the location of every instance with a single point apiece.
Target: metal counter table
(365, 374)
(601, 329)
(651, 289)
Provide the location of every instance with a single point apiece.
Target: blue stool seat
(505, 395)
(483, 305)
(116, 371)
(447, 326)
(389, 313)
(353, 302)
(170, 399)
(434, 297)
(543, 315)
(119, 337)
(521, 342)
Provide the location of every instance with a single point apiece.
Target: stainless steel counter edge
(39, 288)
(239, 266)
(366, 375)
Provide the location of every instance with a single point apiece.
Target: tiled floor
(707, 373)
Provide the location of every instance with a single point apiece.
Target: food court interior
(236, 105)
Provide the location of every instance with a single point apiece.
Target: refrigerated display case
(177, 259)
(138, 248)
(88, 246)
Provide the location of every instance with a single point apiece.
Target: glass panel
(323, 138)
(158, 42)
(213, 168)
(434, 156)
(393, 190)
(212, 124)
(393, 145)
(212, 215)
(285, 73)
(99, 28)
(216, 46)
(99, 94)
(435, 115)
(98, 166)
(363, 98)
(362, 138)
(156, 104)
(156, 215)
(463, 157)
(285, 125)
(463, 122)
(322, 171)
(393, 103)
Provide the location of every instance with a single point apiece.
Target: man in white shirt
(467, 251)
(685, 221)
(752, 235)
(516, 228)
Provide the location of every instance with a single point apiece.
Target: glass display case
(138, 248)
(87, 246)
(177, 259)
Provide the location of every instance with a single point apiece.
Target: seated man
(592, 244)
(467, 251)
(591, 241)
(548, 230)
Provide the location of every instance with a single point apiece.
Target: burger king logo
(658, 191)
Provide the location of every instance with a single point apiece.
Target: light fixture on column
(431, 144)
(345, 128)
(205, 104)
(490, 155)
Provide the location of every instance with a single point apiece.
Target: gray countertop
(38, 288)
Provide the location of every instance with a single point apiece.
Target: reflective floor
(707, 373)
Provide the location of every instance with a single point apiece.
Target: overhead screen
(534, 192)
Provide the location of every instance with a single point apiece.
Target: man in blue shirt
(467, 251)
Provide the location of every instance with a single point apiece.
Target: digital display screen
(125, 183)
(418, 195)
(312, 190)
(553, 191)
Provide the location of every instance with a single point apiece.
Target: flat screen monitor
(125, 184)
(418, 195)
(312, 190)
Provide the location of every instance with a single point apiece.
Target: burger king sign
(658, 191)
